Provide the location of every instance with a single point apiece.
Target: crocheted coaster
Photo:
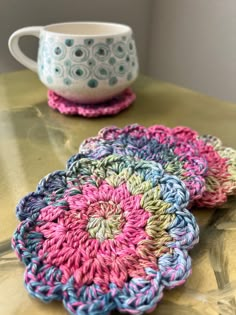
(111, 107)
(221, 172)
(106, 234)
(142, 143)
(229, 155)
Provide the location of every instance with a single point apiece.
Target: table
(36, 140)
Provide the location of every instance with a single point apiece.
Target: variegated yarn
(221, 171)
(218, 176)
(142, 143)
(106, 234)
(229, 154)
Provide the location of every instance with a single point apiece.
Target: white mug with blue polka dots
(86, 62)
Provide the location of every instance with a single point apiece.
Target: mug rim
(126, 29)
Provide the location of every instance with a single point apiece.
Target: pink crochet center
(73, 244)
(111, 107)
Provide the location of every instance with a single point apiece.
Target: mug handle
(15, 50)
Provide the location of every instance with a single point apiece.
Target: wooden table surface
(36, 140)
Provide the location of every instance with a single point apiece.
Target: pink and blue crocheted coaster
(229, 157)
(106, 234)
(142, 143)
(206, 167)
(220, 177)
(111, 107)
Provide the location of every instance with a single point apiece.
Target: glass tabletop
(35, 140)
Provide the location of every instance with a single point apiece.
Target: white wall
(193, 44)
(15, 14)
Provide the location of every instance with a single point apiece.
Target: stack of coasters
(112, 231)
(207, 168)
(221, 164)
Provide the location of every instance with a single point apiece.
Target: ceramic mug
(87, 62)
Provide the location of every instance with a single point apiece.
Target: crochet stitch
(111, 107)
(220, 175)
(142, 143)
(229, 155)
(215, 180)
(106, 234)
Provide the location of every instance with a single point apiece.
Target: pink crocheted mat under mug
(111, 107)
